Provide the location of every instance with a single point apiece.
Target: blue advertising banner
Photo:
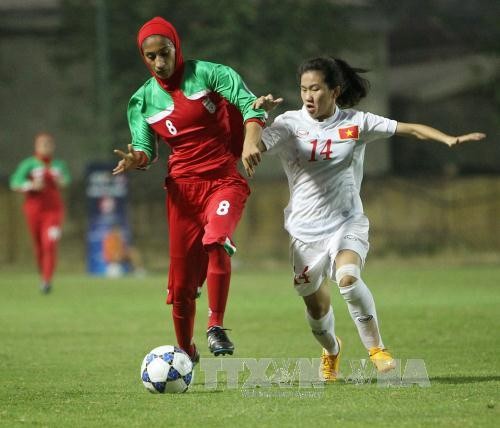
(108, 233)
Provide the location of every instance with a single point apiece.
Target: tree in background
(265, 41)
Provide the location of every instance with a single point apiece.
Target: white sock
(362, 309)
(323, 331)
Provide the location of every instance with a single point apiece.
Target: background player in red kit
(40, 178)
(202, 110)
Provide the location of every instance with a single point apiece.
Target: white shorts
(314, 261)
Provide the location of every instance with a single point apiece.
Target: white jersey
(323, 162)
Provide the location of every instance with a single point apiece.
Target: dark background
(69, 67)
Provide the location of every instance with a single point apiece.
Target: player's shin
(323, 330)
(183, 313)
(361, 306)
(218, 280)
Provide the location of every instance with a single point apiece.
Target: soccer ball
(167, 369)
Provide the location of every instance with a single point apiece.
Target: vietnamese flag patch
(349, 133)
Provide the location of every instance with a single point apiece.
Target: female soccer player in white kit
(321, 147)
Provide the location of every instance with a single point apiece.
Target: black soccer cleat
(218, 342)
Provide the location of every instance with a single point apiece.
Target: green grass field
(72, 358)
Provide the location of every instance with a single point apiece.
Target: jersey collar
(323, 124)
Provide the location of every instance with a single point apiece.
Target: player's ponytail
(337, 72)
(354, 87)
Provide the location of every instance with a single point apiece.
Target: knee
(318, 310)
(347, 281)
(184, 296)
(218, 259)
(347, 277)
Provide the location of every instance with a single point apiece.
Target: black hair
(337, 72)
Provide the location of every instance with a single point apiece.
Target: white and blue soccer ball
(167, 369)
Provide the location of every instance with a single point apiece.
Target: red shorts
(201, 213)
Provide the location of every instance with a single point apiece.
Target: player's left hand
(267, 102)
(474, 136)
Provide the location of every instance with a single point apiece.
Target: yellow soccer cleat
(329, 368)
(382, 359)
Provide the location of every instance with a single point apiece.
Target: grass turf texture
(72, 358)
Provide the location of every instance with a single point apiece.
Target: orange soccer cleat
(329, 368)
(382, 359)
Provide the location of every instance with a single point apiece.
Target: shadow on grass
(456, 380)
(205, 391)
(448, 380)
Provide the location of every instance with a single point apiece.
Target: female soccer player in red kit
(201, 110)
(40, 177)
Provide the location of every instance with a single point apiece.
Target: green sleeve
(226, 82)
(65, 175)
(143, 137)
(20, 180)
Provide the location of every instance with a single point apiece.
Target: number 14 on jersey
(324, 154)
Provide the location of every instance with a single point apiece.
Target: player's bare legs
(361, 307)
(318, 303)
(319, 315)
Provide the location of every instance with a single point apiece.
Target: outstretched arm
(253, 145)
(424, 132)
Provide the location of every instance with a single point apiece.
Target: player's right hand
(250, 157)
(128, 160)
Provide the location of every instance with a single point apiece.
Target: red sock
(49, 255)
(39, 255)
(49, 237)
(34, 224)
(218, 278)
(182, 287)
(183, 315)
